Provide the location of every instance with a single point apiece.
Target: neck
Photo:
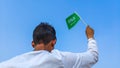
(43, 47)
(39, 47)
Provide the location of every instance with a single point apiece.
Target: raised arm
(90, 57)
(81, 60)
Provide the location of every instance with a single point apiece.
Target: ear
(53, 42)
(33, 44)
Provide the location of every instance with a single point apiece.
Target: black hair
(44, 33)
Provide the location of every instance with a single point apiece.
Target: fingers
(89, 32)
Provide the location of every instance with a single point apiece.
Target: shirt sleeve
(81, 60)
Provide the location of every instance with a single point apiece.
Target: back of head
(44, 33)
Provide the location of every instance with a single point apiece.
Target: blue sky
(18, 18)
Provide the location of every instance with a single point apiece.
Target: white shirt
(55, 59)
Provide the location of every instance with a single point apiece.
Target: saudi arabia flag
(72, 20)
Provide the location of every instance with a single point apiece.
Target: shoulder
(56, 53)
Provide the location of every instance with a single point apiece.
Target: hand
(89, 32)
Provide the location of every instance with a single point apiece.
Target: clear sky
(18, 18)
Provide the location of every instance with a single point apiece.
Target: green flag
(72, 20)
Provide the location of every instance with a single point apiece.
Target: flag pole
(82, 19)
